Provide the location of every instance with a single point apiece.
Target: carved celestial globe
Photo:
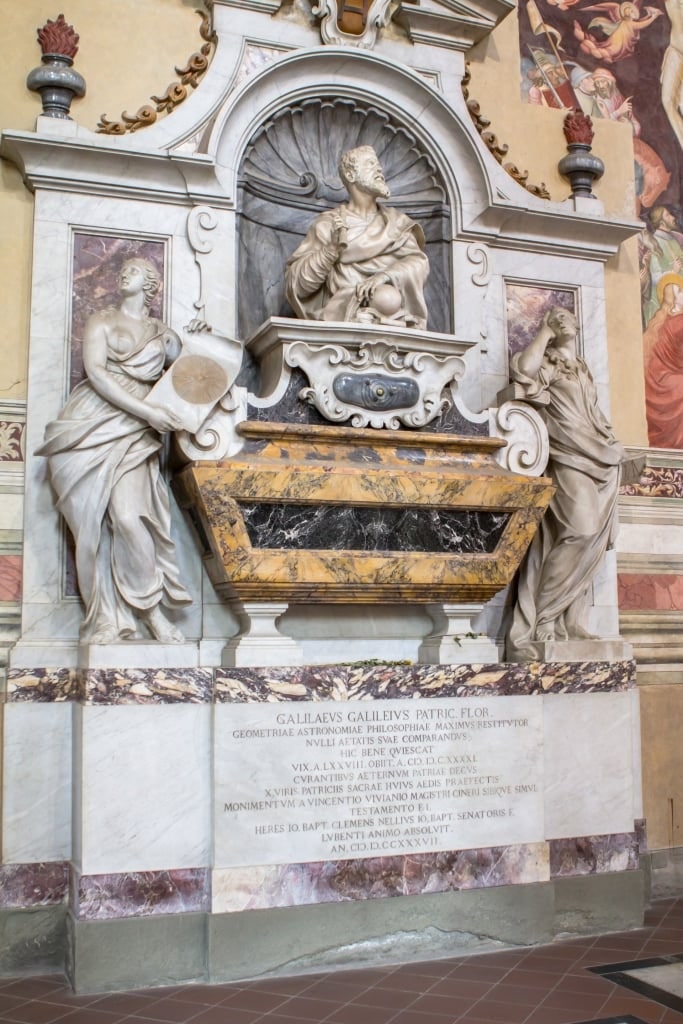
(386, 299)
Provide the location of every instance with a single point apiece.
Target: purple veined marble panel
(292, 885)
(526, 305)
(141, 894)
(148, 686)
(594, 855)
(34, 885)
(43, 685)
(390, 681)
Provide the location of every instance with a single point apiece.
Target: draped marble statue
(584, 464)
(361, 261)
(103, 458)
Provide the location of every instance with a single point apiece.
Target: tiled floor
(544, 985)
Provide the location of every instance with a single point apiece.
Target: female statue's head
(150, 277)
(562, 321)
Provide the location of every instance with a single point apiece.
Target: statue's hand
(366, 288)
(196, 325)
(163, 419)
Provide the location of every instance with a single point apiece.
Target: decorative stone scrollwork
(201, 221)
(190, 74)
(377, 17)
(217, 437)
(381, 387)
(479, 255)
(526, 435)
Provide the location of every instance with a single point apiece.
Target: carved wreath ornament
(190, 75)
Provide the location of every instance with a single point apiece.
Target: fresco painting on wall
(525, 307)
(624, 62)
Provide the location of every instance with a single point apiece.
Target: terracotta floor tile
(524, 996)
(506, 1012)
(461, 987)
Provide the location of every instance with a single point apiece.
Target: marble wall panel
(43, 884)
(594, 855)
(291, 885)
(11, 441)
(147, 686)
(36, 785)
(145, 784)
(141, 894)
(650, 591)
(43, 685)
(525, 308)
(588, 765)
(388, 681)
(10, 577)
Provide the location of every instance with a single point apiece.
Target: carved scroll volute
(526, 435)
(201, 222)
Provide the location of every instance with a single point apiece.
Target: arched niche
(288, 175)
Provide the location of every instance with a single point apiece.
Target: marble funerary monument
(334, 618)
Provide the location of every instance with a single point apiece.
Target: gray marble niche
(288, 177)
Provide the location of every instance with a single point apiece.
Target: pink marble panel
(594, 855)
(43, 685)
(375, 682)
(11, 441)
(34, 885)
(650, 591)
(10, 577)
(290, 885)
(141, 894)
(148, 686)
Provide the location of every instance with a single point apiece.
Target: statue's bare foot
(161, 629)
(545, 633)
(106, 634)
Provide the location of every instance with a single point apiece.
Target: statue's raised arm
(362, 261)
(580, 523)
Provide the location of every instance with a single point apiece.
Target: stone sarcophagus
(322, 513)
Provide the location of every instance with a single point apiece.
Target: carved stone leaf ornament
(190, 74)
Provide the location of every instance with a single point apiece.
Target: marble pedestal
(499, 803)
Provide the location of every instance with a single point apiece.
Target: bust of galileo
(362, 261)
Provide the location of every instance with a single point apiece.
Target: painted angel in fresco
(621, 27)
(585, 466)
(103, 459)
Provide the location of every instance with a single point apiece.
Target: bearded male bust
(362, 261)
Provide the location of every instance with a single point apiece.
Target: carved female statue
(104, 466)
(581, 520)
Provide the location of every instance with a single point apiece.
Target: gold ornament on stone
(497, 149)
(190, 75)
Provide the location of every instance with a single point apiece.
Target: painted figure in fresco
(664, 367)
(622, 28)
(667, 253)
(581, 520)
(103, 458)
(362, 261)
(672, 70)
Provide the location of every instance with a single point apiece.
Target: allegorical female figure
(580, 522)
(103, 457)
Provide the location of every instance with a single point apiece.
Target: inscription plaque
(302, 781)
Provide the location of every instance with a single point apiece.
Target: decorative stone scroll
(377, 386)
(375, 15)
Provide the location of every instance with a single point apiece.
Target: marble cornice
(96, 165)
